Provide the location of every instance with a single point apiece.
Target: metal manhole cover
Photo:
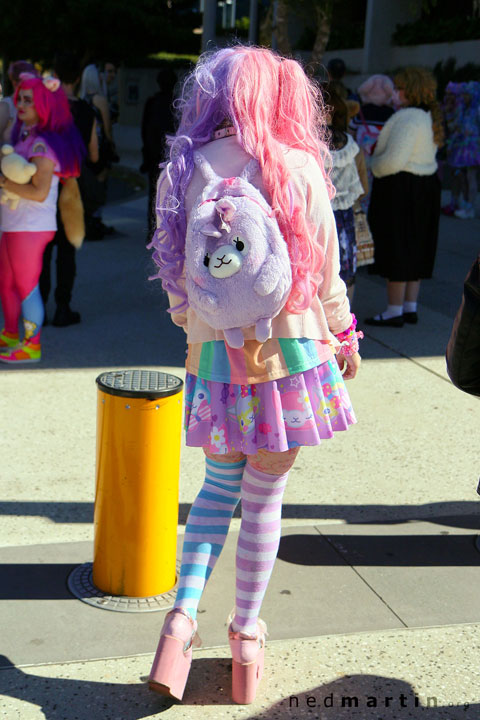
(81, 585)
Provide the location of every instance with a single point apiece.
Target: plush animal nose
(224, 262)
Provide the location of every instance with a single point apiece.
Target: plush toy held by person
(17, 169)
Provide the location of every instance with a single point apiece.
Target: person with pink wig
(377, 101)
(376, 106)
(44, 134)
(251, 408)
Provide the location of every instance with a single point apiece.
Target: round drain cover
(81, 585)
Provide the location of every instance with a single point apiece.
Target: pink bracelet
(349, 338)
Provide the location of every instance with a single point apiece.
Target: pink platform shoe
(174, 654)
(247, 662)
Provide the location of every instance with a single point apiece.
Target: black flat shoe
(396, 321)
(410, 317)
(65, 316)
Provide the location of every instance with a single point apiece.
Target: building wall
(135, 85)
(427, 55)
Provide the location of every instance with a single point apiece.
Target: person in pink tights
(44, 134)
(251, 408)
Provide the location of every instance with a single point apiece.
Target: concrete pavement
(375, 594)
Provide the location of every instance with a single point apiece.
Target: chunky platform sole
(170, 668)
(23, 361)
(245, 679)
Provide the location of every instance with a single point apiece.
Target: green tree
(95, 29)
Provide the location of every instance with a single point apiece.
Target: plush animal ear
(205, 168)
(250, 170)
(7, 149)
(225, 208)
(210, 230)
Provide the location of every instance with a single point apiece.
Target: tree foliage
(95, 29)
(313, 13)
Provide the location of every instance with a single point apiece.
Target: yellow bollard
(139, 416)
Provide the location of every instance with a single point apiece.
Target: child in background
(348, 166)
(251, 408)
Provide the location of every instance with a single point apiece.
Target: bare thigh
(273, 463)
(231, 457)
(277, 463)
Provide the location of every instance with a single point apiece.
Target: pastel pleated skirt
(300, 409)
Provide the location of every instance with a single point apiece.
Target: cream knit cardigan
(405, 144)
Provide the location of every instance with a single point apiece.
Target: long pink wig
(273, 106)
(55, 124)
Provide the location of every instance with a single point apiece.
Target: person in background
(45, 134)
(110, 89)
(157, 121)
(377, 97)
(405, 203)
(67, 69)
(461, 108)
(348, 171)
(8, 111)
(376, 100)
(336, 69)
(91, 92)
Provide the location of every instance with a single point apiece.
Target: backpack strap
(205, 168)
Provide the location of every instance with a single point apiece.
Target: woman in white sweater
(405, 205)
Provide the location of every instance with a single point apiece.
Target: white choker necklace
(224, 132)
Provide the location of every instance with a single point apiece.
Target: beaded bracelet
(349, 338)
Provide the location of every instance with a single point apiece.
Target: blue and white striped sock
(206, 530)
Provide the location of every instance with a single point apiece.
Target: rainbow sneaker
(26, 352)
(8, 340)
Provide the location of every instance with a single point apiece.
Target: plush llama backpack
(237, 266)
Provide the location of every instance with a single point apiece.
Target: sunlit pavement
(373, 608)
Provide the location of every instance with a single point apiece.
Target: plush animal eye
(239, 244)
(206, 260)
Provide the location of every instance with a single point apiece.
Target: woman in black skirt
(405, 204)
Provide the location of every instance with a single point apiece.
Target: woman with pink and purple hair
(44, 134)
(251, 408)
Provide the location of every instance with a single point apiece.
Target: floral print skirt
(277, 415)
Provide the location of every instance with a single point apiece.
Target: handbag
(363, 239)
(463, 349)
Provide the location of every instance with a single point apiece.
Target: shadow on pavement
(349, 697)
(370, 696)
(462, 514)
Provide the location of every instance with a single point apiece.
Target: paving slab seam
(372, 589)
(407, 357)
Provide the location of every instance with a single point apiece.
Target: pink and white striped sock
(258, 543)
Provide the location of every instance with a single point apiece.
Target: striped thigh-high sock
(258, 543)
(206, 530)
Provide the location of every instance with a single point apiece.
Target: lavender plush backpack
(238, 270)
